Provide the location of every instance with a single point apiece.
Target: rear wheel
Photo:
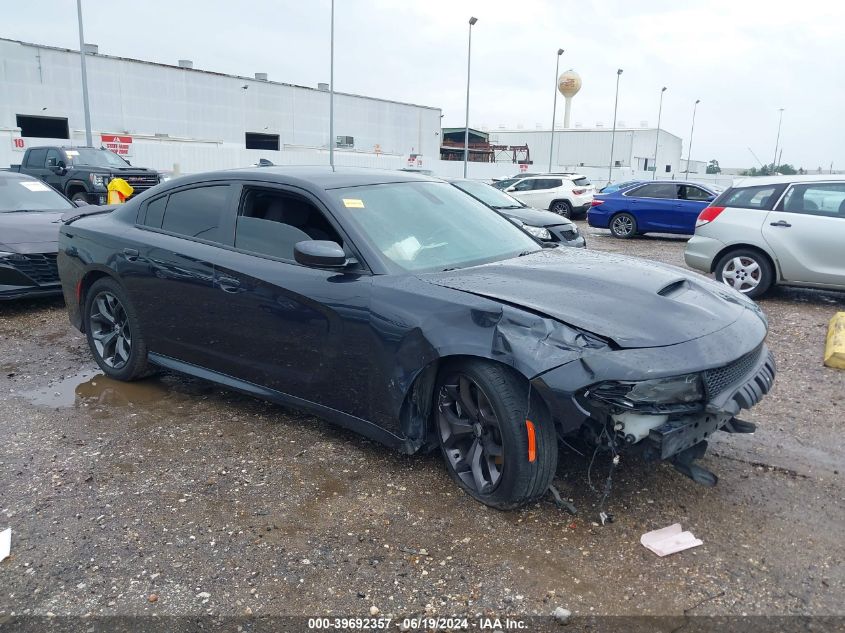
(623, 226)
(114, 332)
(496, 450)
(561, 207)
(79, 196)
(745, 270)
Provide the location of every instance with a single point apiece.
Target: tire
(745, 270)
(79, 195)
(623, 226)
(561, 207)
(492, 428)
(113, 331)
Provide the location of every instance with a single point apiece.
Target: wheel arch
(86, 281)
(416, 413)
(75, 186)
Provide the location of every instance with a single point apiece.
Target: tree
(713, 167)
(787, 170)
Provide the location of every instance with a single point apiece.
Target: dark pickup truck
(83, 173)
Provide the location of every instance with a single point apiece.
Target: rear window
(582, 182)
(196, 212)
(761, 197)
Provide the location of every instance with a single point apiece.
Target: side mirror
(80, 203)
(59, 169)
(509, 189)
(319, 254)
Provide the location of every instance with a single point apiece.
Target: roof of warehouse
(211, 72)
(581, 129)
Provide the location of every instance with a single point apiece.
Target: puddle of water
(92, 388)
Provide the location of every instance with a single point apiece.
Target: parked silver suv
(786, 230)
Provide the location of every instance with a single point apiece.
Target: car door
(654, 205)
(283, 325)
(522, 189)
(691, 201)
(55, 160)
(806, 231)
(166, 266)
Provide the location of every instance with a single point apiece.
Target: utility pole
(692, 129)
(554, 108)
(85, 106)
(466, 128)
(331, 94)
(657, 134)
(775, 159)
(613, 134)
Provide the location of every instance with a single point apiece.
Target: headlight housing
(99, 180)
(685, 389)
(537, 231)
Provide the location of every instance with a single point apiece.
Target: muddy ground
(172, 496)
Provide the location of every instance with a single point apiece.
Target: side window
(154, 213)
(53, 157)
(524, 185)
(196, 212)
(552, 183)
(762, 197)
(37, 158)
(827, 199)
(271, 223)
(655, 190)
(690, 192)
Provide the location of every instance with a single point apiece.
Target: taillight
(708, 215)
(596, 203)
(579, 192)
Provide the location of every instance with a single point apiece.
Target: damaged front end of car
(667, 417)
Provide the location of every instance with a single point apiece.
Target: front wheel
(623, 226)
(561, 207)
(745, 270)
(79, 196)
(114, 332)
(496, 450)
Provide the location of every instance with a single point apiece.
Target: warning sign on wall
(120, 145)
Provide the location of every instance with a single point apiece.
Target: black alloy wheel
(497, 448)
(623, 226)
(114, 332)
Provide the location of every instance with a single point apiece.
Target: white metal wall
(202, 109)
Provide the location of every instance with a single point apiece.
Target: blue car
(616, 186)
(659, 206)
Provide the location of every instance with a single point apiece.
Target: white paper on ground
(5, 543)
(669, 540)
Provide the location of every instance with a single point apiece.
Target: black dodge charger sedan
(398, 306)
(30, 214)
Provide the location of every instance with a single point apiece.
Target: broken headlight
(675, 389)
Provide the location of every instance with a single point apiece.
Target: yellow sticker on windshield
(353, 203)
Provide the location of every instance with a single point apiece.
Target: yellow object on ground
(834, 351)
(119, 191)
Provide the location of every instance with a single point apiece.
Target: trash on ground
(669, 540)
(5, 543)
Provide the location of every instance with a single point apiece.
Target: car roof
(320, 176)
(754, 181)
(13, 175)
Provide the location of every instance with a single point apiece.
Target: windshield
(95, 158)
(431, 225)
(29, 195)
(489, 195)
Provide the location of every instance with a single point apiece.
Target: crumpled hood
(23, 231)
(634, 302)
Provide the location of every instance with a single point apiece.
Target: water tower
(569, 83)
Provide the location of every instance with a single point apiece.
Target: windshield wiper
(511, 206)
(524, 253)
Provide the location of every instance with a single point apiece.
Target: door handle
(228, 284)
(782, 223)
(131, 254)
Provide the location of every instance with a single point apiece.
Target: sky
(744, 59)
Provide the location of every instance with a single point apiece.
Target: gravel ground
(173, 497)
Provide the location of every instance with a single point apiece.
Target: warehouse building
(177, 117)
(583, 149)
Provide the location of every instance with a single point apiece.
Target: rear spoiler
(91, 209)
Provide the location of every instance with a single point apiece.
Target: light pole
(466, 128)
(331, 93)
(692, 129)
(87, 110)
(657, 135)
(777, 141)
(613, 134)
(554, 108)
